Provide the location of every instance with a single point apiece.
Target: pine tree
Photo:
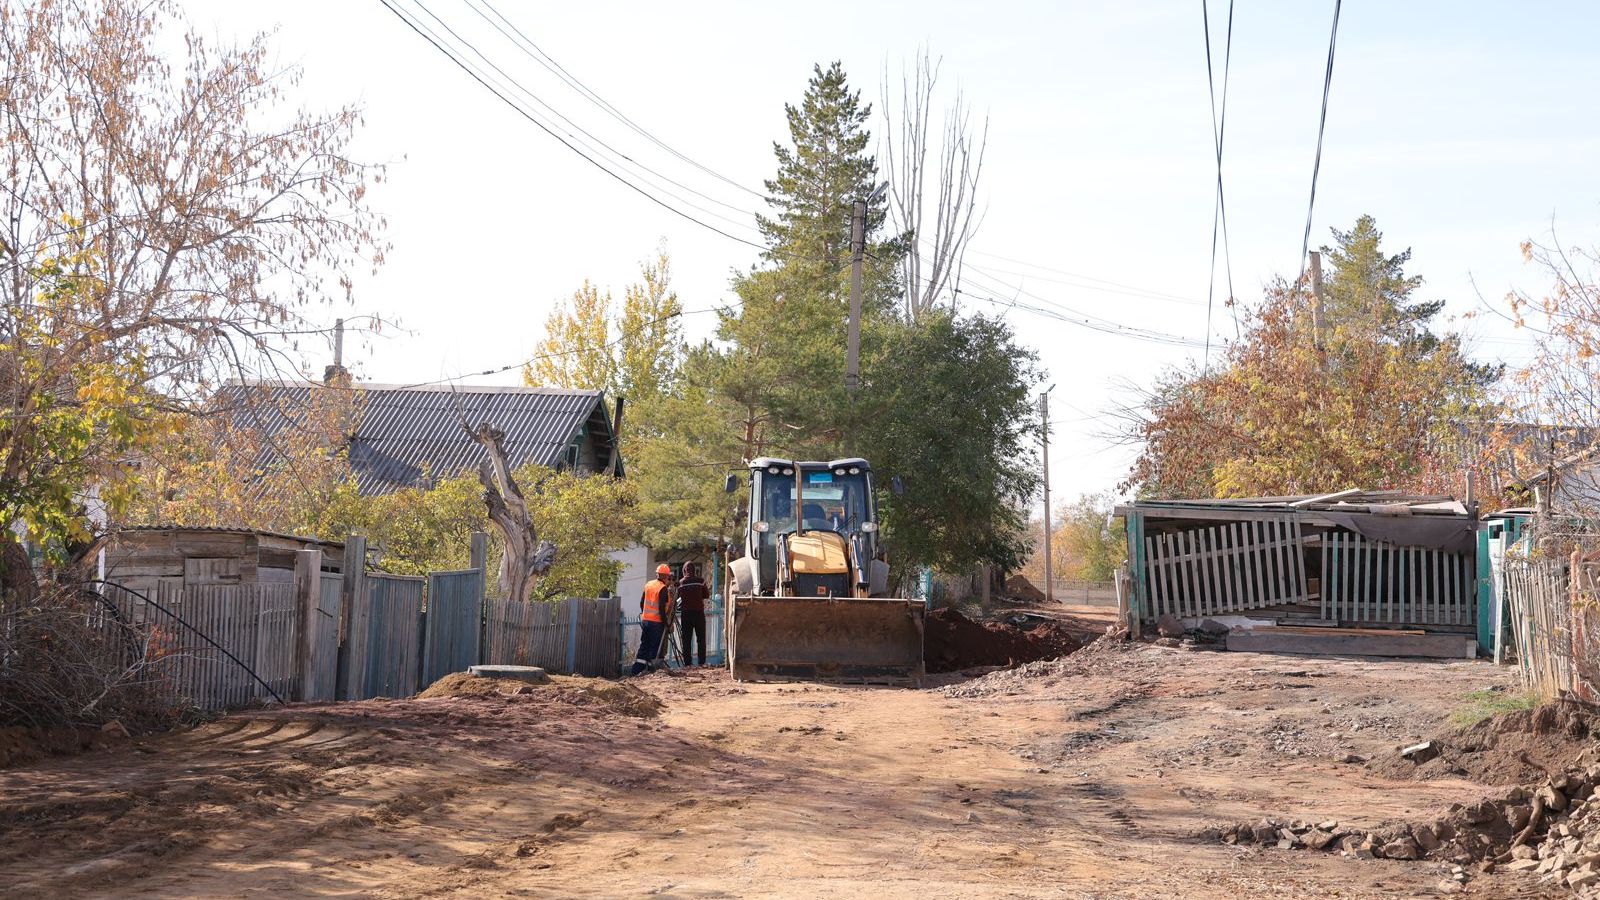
(821, 175)
(783, 375)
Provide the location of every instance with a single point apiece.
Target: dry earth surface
(1092, 776)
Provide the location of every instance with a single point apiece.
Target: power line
(1074, 317)
(1322, 125)
(1080, 275)
(572, 81)
(1066, 313)
(1219, 209)
(1106, 287)
(437, 45)
(598, 145)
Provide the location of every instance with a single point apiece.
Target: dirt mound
(952, 642)
(19, 745)
(1020, 587)
(610, 696)
(613, 695)
(463, 684)
(1514, 748)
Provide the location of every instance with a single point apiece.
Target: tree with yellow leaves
(162, 223)
(1374, 401)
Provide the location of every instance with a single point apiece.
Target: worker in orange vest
(655, 611)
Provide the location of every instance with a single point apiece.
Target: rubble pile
(1043, 671)
(1171, 632)
(1551, 830)
(952, 642)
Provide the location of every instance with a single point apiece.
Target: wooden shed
(141, 558)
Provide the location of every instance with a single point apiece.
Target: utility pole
(858, 241)
(1316, 299)
(1044, 440)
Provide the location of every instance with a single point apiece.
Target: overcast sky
(1465, 128)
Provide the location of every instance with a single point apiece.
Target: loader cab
(834, 496)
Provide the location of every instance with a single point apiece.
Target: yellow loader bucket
(852, 639)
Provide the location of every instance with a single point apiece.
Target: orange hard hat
(663, 569)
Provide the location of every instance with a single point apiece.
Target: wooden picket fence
(1228, 568)
(1538, 602)
(1367, 581)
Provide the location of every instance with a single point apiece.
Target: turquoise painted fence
(453, 625)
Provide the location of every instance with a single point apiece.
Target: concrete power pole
(858, 241)
(1044, 441)
(1316, 299)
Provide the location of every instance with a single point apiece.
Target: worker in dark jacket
(692, 594)
(655, 616)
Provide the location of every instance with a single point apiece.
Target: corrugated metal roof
(1338, 501)
(406, 432)
(215, 529)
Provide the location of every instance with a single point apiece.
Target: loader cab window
(831, 501)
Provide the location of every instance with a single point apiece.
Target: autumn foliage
(1375, 400)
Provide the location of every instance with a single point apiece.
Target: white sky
(1465, 128)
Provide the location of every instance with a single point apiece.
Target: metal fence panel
(451, 628)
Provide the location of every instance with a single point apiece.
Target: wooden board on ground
(1330, 629)
(1372, 643)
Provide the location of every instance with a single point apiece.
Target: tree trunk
(17, 581)
(508, 512)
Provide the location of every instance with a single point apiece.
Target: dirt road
(1088, 777)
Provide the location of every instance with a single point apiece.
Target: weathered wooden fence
(394, 636)
(1366, 581)
(354, 636)
(1539, 604)
(251, 628)
(453, 626)
(573, 636)
(1228, 568)
(322, 681)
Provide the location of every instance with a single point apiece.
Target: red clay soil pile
(593, 693)
(952, 642)
(1515, 748)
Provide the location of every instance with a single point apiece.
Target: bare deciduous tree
(161, 224)
(939, 224)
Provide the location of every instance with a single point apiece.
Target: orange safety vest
(655, 600)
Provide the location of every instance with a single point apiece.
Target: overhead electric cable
(1219, 209)
(438, 42)
(533, 50)
(594, 144)
(564, 142)
(1322, 125)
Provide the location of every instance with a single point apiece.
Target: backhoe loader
(808, 599)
